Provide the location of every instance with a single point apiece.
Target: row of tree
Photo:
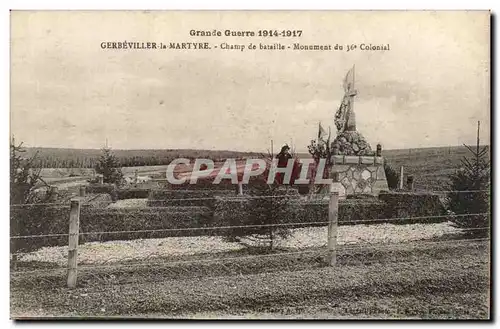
(91, 162)
(54, 162)
(88, 158)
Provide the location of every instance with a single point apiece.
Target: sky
(429, 89)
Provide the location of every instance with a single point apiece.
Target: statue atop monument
(348, 140)
(345, 119)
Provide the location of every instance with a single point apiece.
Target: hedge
(238, 211)
(220, 211)
(38, 220)
(206, 198)
(203, 184)
(349, 212)
(365, 211)
(382, 210)
(413, 204)
(233, 211)
(118, 193)
(140, 219)
(133, 193)
(102, 188)
(101, 200)
(229, 211)
(42, 220)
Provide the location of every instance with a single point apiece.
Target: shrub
(266, 205)
(474, 175)
(25, 178)
(391, 175)
(109, 166)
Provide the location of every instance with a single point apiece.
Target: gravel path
(140, 249)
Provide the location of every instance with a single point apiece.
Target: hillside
(429, 166)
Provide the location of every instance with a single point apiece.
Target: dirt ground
(446, 279)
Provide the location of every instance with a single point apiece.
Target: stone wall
(355, 175)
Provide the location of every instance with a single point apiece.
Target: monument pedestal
(356, 175)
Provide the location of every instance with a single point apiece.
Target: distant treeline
(87, 158)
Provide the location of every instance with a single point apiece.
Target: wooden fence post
(74, 228)
(401, 179)
(333, 216)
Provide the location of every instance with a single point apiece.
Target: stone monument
(355, 168)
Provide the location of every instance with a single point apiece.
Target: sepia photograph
(250, 165)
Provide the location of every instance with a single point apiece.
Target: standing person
(283, 158)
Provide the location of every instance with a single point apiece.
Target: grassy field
(429, 166)
(445, 279)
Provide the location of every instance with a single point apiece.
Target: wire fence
(238, 197)
(372, 221)
(343, 248)
(459, 230)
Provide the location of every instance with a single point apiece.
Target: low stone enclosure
(354, 175)
(181, 209)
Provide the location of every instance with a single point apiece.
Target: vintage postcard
(250, 165)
